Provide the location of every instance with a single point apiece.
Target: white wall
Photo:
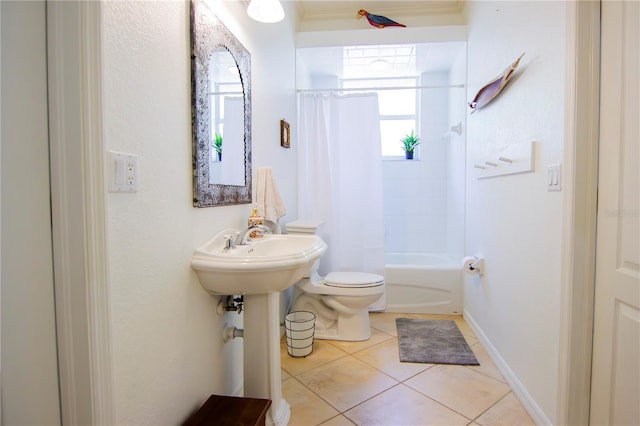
(512, 220)
(168, 352)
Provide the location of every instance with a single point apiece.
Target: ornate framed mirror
(220, 112)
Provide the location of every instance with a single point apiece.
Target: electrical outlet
(123, 170)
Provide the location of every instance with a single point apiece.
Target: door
(30, 394)
(615, 386)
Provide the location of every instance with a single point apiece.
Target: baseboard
(239, 390)
(534, 410)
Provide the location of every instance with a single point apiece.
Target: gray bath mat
(433, 341)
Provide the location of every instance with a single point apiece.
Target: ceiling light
(267, 11)
(379, 64)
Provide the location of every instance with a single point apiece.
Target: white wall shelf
(517, 158)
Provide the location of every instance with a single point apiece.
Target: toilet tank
(305, 227)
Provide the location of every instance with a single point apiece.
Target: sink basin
(266, 265)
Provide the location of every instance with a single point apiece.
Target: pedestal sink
(259, 270)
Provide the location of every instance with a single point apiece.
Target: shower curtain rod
(354, 89)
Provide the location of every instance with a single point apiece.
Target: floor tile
(386, 322)
(377, 336)
(471, 340)
(307, 408)
(508, 412)
(427, 316)
(402, 405)
(385, 357)
(323, 353)
(338, 421)
(462, 325)
(487, 365)
(284, 375)
(468, 392)
(346, 382)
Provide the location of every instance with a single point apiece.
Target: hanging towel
(270, 205)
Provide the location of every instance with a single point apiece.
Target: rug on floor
(433, 342)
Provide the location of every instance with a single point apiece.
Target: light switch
(554, 177)
(123, 172)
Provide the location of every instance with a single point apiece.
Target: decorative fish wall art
(493, 88)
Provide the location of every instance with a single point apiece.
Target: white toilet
(340, 300)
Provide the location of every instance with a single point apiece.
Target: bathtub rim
(443, 261)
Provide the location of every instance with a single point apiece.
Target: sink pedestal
(259, 270)
(261, 343)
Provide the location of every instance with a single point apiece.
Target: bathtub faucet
(243, 237)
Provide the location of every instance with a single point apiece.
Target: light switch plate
(123, 172)
(554, 177)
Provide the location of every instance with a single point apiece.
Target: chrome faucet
(243, 237)
(230, 242)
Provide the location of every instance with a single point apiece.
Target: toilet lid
(353, 279)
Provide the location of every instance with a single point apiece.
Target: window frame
(375, 87)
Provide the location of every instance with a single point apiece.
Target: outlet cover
(123, 172)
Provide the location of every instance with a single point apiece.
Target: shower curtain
(340, 169)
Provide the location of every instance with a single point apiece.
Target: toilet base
(332, 334)
(343, 314)
(350, 328)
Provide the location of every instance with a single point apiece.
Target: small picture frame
(285, 134)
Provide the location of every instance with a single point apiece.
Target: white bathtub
(423, 283)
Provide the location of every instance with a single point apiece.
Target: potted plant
(409, 143)
(217, 145)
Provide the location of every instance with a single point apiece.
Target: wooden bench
(230, 411)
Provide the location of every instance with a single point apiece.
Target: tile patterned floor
(364, 383)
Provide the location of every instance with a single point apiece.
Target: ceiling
(402, 60)
(337, 9)
(355, 61)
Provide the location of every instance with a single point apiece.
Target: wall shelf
(517, 158)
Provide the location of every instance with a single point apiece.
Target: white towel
(270, 205)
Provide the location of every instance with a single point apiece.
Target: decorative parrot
(377, 20)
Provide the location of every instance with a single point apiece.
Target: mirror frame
(207, 34)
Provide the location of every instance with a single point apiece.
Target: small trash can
(299, 328)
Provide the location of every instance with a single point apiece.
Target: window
(224, 82)
(398, 109)
(216, 107)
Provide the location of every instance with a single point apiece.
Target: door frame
(580, 173)
(79, 212)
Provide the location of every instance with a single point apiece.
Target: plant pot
(219, 156)
(408, 155)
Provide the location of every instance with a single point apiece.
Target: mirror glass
(221, 112)
(226, 108)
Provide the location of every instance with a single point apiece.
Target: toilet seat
(353, 279)
(344, 284)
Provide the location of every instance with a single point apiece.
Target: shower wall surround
(424, 199)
